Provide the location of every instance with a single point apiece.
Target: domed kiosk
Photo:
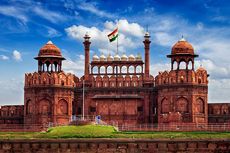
(49, 56)
(182, 51)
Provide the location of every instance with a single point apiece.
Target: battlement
(199, 76)
(47, 79)
(119, 81)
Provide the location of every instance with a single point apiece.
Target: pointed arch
(182, 105)
(62, 107)
(199, 105)
(45, 107)
(165, 106)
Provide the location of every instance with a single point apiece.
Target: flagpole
(117, 41)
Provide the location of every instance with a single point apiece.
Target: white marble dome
(117, 57)
(102, 57)
(124, 57)
(109, 57)
(95, 58)
(131, 57)
(138, 57)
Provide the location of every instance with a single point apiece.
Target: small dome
(102, 57)
(95, 58)
(124, 57)
(110, 57)
(131, 57)
(182, 47)
(147, 34)
(138, 57)
(49, 50)
(117, 57)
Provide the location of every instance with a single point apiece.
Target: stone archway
(199, 106)
(165, 106)
(62, 107)
(182, 105)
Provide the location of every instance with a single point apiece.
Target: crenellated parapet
(118, 81)
(198, 77)
(219, 113)
(48, 79)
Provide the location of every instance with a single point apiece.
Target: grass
(96, 131)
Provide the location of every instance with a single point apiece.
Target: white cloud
(133, 29)
(14, 12)
(216, 71)
(53, 32)
(9, 87)
(51, 16)
(159, 67)
(75, 66)
(4, 57)
(127, 38)
(17, 55)
(219, 90)
(90, 7)
(164, 39)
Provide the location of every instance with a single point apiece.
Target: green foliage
(98, 131)
(86, 131)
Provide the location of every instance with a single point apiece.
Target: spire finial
(49, 41)
(182, 38)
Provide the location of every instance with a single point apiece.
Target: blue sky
(26, 25)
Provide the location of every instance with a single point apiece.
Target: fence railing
(176, 127)
(225, 127)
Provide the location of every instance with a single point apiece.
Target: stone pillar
(87, 49)
(147, 45)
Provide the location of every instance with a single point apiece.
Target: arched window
(95, 70)
(224, 110)
(102, 70)
(138, 69)
(199, 106)
(216, 110)
(62, 107)
(174, 65)
(47, 66)
(182, 105)
(45, 107)
(165, 106)
(124, 69)
(182, 65)
(190, 65)
(29, 107)
(109, 69)
(131, 69)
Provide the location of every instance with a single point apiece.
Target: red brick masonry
(115, 146)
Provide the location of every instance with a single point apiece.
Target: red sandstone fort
(118, 88)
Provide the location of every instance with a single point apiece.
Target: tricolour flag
(113, 35)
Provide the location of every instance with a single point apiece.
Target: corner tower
(182, 91)
(48, 93)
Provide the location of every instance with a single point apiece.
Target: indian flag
(113, 35)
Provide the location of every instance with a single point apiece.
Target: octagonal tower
(49, 92)
(182, 91)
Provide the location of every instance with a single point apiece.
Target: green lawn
(96, 131)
